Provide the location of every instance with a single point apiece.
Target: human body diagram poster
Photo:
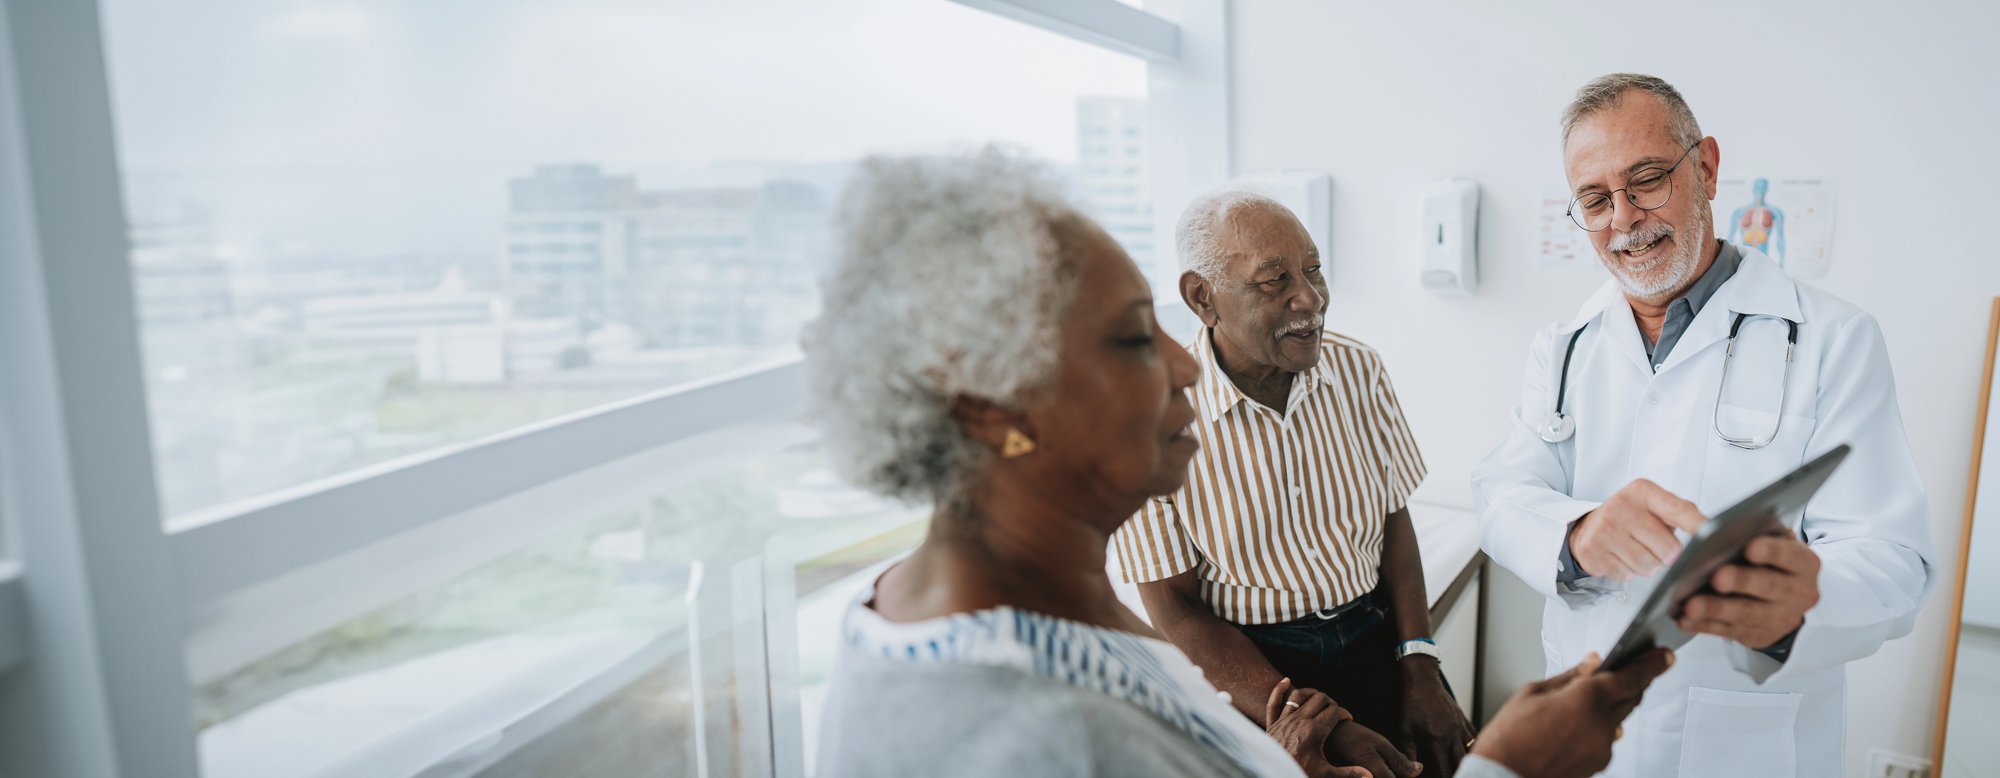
(1789, 219)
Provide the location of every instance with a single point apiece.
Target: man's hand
(1563, 727)
(1353, 744)
(1301, 720)
(1632, 534)
(1759, 603)
(1435, 730)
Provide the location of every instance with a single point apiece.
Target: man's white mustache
(1645, 235)
(1307, 325)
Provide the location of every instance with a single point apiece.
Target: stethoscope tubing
(1561, 427)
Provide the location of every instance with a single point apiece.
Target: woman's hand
(1301, 720)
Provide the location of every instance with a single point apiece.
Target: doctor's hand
(1632, 534)
(1564, 726)
(1759, 603)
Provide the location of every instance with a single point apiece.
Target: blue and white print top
(1151, 674)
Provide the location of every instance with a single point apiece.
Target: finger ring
(1468, 743)
(1290, 704)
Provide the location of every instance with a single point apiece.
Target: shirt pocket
(1740, 733)
(1731, 473)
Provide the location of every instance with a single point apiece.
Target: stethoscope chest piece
(1559, 427)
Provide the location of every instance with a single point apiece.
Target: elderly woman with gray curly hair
(987, 349)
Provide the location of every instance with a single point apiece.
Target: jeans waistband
(1329, 614)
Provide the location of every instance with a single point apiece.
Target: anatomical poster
(1789, 219)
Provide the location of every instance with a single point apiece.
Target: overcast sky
(373, 124)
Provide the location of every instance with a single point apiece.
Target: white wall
(1982, 564)
(1894, 102)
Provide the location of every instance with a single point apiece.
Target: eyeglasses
(1646, 190)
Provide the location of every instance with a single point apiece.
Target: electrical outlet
(1889, 764)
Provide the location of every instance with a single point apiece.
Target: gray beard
(1672, 272)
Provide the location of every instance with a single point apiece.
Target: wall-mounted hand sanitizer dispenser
(1449, 260)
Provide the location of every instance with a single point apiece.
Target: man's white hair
(1197, 234)
(950, 282)
(1608, 91)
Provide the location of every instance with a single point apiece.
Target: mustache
(1640, 237)
(1302, 325)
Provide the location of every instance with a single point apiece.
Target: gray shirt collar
(1681, 312)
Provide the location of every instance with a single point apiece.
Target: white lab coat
(1723, 709)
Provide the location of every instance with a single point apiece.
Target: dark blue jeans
(1351, 657)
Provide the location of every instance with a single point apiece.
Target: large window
(587, 638)
(466, 334)
(369, 230)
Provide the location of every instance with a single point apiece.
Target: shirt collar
(1719, 271)
(1215, 394)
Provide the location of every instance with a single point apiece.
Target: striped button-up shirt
(1283, 512)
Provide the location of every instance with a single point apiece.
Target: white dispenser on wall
(1448, 260)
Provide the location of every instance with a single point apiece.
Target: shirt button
(1312, 552)
(1298, 491)
(1652, 398)
(1621, 598)
(1224, 697)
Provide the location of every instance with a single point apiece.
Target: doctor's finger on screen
(1632, 534)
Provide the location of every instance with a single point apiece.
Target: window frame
(101, 679)
(83, 613)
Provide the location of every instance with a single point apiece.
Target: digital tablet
(1717, 543)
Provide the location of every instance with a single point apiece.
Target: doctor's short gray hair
(949, 282)
(1197, 233)
(1607, 91)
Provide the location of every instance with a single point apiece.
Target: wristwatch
(1425, 646)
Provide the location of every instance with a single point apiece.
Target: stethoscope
(1561, 426)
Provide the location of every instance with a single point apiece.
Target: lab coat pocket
(1739, 733)
(1732, 473)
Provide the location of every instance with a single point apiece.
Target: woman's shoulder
(896, 717)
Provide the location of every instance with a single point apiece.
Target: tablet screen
(1717, 543)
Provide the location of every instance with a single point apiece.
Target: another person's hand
(1435, 730)
(1632, 534)
(1353, 744)
(1758, 603)
(1301, 720)
(1564, 726)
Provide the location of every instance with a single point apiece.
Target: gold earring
(1017, 444)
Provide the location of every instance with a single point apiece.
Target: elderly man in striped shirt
(1290, 553)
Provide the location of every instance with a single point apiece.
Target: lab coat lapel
(1622, 330)
(1760, 288)
(1757, 288)
(1609, 309)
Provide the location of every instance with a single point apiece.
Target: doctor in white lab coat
(1592, 512)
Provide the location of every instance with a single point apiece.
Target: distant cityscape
(289, 364)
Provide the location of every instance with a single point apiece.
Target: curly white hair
(950, 283)
(1197, 233)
